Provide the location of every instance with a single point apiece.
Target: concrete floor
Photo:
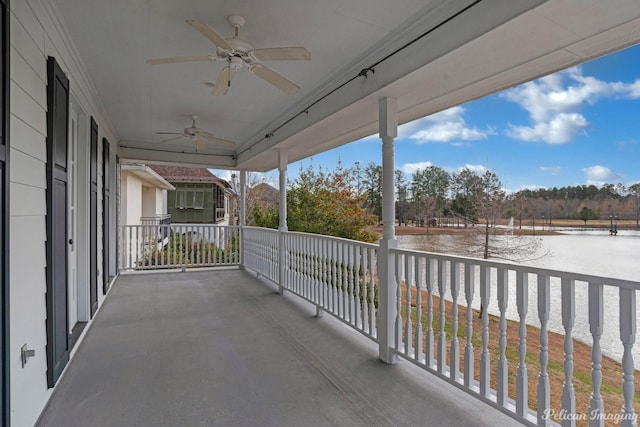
(222, 348)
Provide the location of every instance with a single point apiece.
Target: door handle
(71, 241)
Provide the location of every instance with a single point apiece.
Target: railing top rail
(159, 216)
(335, 239)
(581, 277)
(208, 224)
(250, 227)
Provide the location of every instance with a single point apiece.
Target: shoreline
(411, 230)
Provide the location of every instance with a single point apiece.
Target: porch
(222, 347)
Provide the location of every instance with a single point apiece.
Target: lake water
(587, 252)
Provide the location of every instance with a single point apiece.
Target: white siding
(132, 195)
(36, 34)
(159, 202)
(148, 201)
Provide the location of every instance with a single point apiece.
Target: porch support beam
(282, 168)
(243, 198)
(243, 213)
(388, 129)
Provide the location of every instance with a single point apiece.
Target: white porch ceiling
(429, 55)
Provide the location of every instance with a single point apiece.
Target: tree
(586, 214)
(402, 190)
(430, 187)
(488, 200)
(634, 192)
(326, 203)
(463, 187)
(372, 187)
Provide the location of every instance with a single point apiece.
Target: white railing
(431, 338)
(336, 275)
(145, 247)
(435, 299)
(260, 250)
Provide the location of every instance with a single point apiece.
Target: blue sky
(577, 126)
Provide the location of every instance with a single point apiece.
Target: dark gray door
(4, 214)
(106, 154)
(93, 219)
(57, 137)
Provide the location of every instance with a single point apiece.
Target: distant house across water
(199, 196)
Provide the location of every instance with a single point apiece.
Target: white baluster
(419, 279)
(352, 284)
(326, 276)
(398, 278)
(333, 274)
(522, 377)
(343, 280)
(365, 288)
(544, 290)
(469, 379)
(130, 263)
(442, 336)
(502, 373)
(485, 357)
(358, 281)
(336, 277)
(316, 271)
(408, 329)
(596, 323)
(429, 356)
(454, 351)
(628, 417)
(568, 289)
(373, 256)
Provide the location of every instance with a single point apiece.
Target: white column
(243, 214)
(388, 128)
(282, 168)
(243, 198)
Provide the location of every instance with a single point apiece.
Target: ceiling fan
(236, 52)
(199, 136)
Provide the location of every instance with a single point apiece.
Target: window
(190, 198)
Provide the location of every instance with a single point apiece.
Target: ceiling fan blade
(274, 78)
(211, 34)
(171, 139)
(211, 137)
(169, 133)
(223, 82)
(178, 59)
(199, 144)
(281, 54)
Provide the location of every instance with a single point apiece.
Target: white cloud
(554, 102)
(445, 126)
(411, 168)
(532, 187)
(598, 173)
(561, 129)
(551, 170)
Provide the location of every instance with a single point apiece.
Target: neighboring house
(143, 195)
(199, 196)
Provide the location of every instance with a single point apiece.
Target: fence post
(388, 127)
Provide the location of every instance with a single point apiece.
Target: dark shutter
(106, 154)
(93, 219)
(4, 215)
(56, 271)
